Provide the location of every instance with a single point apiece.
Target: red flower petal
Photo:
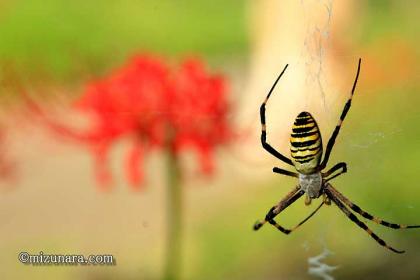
(102, 170)
(134, 165)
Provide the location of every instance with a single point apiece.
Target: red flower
(128, 103)
(144, 101)
(199, 111)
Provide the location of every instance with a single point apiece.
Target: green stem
(174, 219)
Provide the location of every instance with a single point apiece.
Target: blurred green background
(63, 37)
(68, 42)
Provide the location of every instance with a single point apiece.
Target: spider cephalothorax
(306, 152)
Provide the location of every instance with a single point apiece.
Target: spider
(306, 152)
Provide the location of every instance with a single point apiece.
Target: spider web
(318, 268)
(317, 15)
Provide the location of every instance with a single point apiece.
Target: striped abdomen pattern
(306, 144)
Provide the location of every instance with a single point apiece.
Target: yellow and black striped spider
(306, 152)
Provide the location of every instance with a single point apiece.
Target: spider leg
(331, 141)
(288, 231)
(264, 143)
(283, 204)
(285, 172)
(308, 200)
(326, 199)
(366, 215)
(354, 219)
(339, 165)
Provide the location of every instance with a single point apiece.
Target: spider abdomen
(306, 144)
